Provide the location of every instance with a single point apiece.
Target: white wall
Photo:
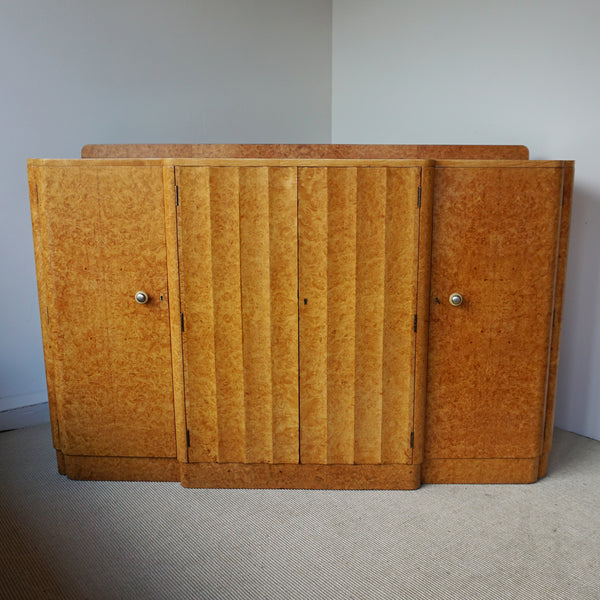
(74, 72)
(482, 72)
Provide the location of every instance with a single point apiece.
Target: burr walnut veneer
(320, 316)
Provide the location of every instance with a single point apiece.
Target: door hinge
(47, 315)
(415, 324)
(419, 197)
(182, 325)
(412, 439)
(187, 437)
(176, 195)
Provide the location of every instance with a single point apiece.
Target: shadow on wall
(576, 408)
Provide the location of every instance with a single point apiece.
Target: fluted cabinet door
(358, 239)
(299, 302)
(109, 357)
(239, 301)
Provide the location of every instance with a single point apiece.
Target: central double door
(298, 289)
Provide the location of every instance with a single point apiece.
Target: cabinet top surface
(296, 162)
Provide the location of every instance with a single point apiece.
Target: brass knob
(455, 299)
(141, 297)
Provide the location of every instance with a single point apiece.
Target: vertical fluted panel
(226, 275)
(341, 313)
(283, 218)
(238, 257)
(370, 293)
(196, 292)
(336, 248)
(312, 265)
(358, 266)
(399, 337)
(256, 312)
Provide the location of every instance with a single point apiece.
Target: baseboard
(304, 476)
(24, 416)
(22, 400)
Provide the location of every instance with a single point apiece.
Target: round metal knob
(456, 299)
(141, 297)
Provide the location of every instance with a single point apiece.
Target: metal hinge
(415, 324)
(182, 325)
(176, 195)
(412, 439)
(419, 197)
(47, 315)
(187, 437)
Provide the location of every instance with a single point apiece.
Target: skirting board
(24, 416)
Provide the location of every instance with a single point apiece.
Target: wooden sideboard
(321, 316)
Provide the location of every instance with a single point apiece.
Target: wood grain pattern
(423, 291)
(299, 281)
(480, 470)
(361, 151)
(283, 236)
(229, 354)
(341, 313)
(256, 312)
(304, 476)
(401, 280)
(505, 164)
(494, 241)
(60, 461)
(239, 288)
(117, 468)
(172, 245)
(197, 305)
(358, 255)
(240, 162)
(112, 356)
(312, 258)
(42, 267)
(559, 290)
(370, 302)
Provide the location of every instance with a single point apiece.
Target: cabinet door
(299, 296)
(239, 298)
(495, 233)
(105, 240)
(358, 271)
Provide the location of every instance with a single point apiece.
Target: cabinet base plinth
(60, 460)
(307, 476)
(481, 470)
(543, 469)
(109, 468)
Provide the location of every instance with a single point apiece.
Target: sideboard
(301, 316)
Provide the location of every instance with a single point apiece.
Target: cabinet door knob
(455, 299)
(141, 297)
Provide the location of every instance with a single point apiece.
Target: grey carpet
(109, 540)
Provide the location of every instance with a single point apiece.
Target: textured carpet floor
(108, 540)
